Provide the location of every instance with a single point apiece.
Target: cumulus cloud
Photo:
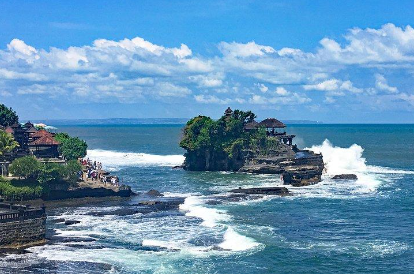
(334, 85)
(137, 69)
(244, 50)
(212, 99)
(293, 99)
(263, 88)
(382, 84)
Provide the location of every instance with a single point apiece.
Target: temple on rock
(257, 147)
(274, 128)
(37, 142)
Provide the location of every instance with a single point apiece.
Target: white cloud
(293, 99)
(333, 85)
(137, 69)
(281, 91)
(211, 99)
(382, 84)
(208, 81)
(244, 50)
(263, 88)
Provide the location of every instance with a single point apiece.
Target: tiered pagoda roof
(31, 130)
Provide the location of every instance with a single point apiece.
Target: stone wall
(21, 225)
(22, 232)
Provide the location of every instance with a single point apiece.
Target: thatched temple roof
(272, 123)
(252, 125)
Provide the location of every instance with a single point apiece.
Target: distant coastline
(139, 121)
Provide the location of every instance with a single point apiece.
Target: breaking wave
(348, 160)
(340, 160)
(115, 159)
(194, 206)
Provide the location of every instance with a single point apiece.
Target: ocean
(363, 226)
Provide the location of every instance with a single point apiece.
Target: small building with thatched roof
(251, 125)
(272, 123)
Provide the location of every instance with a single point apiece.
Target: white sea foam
(339, 160)
(115, 159)
(195, 207)
(235, 242)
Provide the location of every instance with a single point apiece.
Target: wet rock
(162, 204)
(71, 222)
(345, 177)
(262, 169)
(60, 220)
(178, 167)
(263, 190)
(154, 193)
(117, 212)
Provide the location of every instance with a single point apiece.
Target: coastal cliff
(236, 142)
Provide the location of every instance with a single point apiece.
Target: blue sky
(332, 61)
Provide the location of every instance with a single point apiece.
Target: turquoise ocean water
(366, 226)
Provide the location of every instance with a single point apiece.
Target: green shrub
(51, 172)
(72, 169)
(9, 191)
(26, 167)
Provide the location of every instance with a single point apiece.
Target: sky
(329, 61)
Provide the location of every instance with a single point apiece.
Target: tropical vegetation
(8, 116)
(71, 148)
(7, 142)
(213, 143)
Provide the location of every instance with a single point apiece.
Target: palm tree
(7, 142)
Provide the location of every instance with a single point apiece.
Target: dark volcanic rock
(117, 212)
(71, 222)
(263, 190)
(345, 177)
(162, 204)
(60, 220)
(154, 193)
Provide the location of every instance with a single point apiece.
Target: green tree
(8, 116)
(71, 148)
(72, 170)
(7, 142)
(51, 172)
(26, 167)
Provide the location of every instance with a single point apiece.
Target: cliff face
(211, 160)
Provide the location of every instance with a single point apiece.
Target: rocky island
(237, 142)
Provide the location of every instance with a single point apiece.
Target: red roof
(42, 133)
(44, 141)
(9, 130)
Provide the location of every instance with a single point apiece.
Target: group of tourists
(93, 171)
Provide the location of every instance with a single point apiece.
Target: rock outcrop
(263, 191)
(82, 192)
(345, 177)
(236, 142)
